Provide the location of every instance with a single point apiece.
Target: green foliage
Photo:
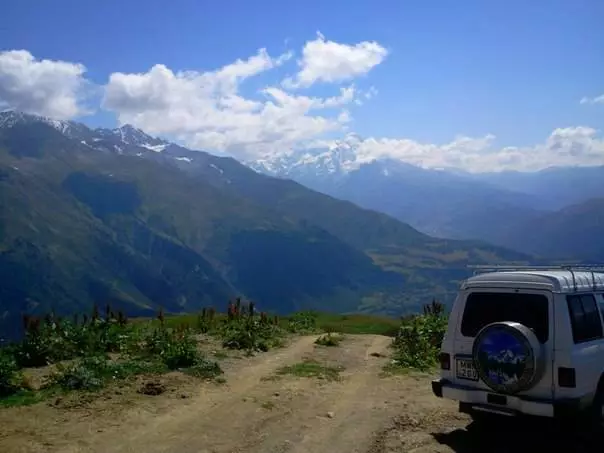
(358, 324)
(93, 373)
(303, 322)
(247, 330)
(329, 339)
(9, 374)
(53, 339)
(419, 339)
(205, 369)
(85, 374)
(176, 349)
(311, 369)
(81, 351)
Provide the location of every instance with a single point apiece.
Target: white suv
(526, 341)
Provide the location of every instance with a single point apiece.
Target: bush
(93, 373)
(9, 374)
(251, 334)
(176, 349)
(52, 339)
(329, 339)
(89, 373)
(303, 322)
(205, 369)
(418, 341)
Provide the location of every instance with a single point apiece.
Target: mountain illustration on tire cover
(504, 359)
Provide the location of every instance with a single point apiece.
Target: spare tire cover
(508, 357)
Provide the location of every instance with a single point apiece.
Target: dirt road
(259, 411)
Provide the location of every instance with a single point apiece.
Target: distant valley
(117, 216)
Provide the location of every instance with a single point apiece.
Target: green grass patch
(358, 324)
(25, 397)
(311, 369)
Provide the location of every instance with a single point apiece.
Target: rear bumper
(474, 399)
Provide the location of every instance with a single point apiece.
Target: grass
(311, 369)
(356, 324)
(25, 397)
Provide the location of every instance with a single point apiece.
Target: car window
(585, 317)
(600, 300)
(531, 310)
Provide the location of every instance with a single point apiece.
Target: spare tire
(508, 357)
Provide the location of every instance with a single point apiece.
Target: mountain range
(117, 216)
(529, 211)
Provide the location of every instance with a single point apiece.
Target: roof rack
(572, 268)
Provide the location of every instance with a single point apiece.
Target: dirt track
(255, 412)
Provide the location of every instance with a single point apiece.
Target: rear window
(530, 310)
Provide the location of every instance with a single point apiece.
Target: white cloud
(43, 87)
(329, 61)
(205, 109)
(564, 147)
(594, 100)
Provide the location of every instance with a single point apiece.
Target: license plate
(465, 369)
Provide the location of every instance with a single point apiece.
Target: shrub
(54, 339)
(251, 334)
(89, 373)
(418, 341)
(303, 322)
(205, 369)
(175, 348)
(92, 373)
(329, 339)
(9, 374)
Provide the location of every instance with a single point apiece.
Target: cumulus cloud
(329, 61)
(206, 109)
(43, 87)
(594, 100)
(564, 147)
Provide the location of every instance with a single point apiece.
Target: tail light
(567, 377)
(445, 361)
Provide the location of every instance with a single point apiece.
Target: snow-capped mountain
(130, 135)
(331, 162)
(71, 129)
(127, 140)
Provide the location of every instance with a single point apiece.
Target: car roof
(555, 280)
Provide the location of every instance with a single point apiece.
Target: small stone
(183, 396)
(276, 394)
(331, 415)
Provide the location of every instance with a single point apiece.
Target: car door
(587, 335)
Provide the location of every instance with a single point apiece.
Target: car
(526, 341)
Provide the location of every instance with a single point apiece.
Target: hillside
(572, 233)
(553, 188)
(445, 202)
(96, 216)
(440, 203)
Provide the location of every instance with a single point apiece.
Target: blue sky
(515, 69)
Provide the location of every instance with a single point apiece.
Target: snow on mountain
(337, 159)
(130, 135)
(10, 118)
(125, 140)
